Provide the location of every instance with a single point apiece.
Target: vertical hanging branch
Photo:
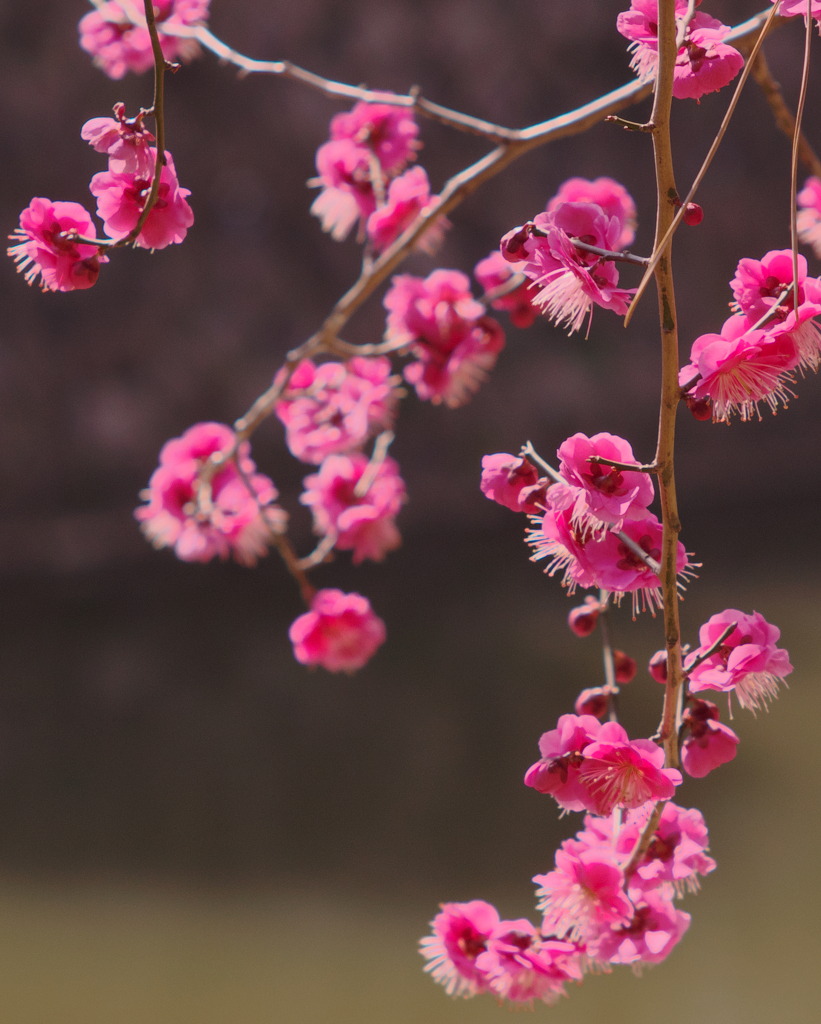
(666, 194)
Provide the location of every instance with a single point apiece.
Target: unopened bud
(624, 666)
(658, 667)
(582, 620)
(693, 214)
(592, 702)
(701, 408)
(512, 244)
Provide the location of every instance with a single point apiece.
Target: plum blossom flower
(408, 197)
(704, 63)
(455, 344)
(710, 742)
(748, 661)
(676, 856)
(513, 482)
(570, 279)
(619, 772)
(809, 214)
(584, 894)
(121, 198)
(362, 522)
(601, 495)
(606, 193)
(347, 194)
(759, 288)
(45, 246)
(388, 132)
(521, 966)
(740, 368)
(231, 520)
(494, 271)
(557, 772)
(796, 8)
(606, 562)
(340, 632)
(126, 140)
(460, 936)
(117, 44)
(335, 407)
(656, 927)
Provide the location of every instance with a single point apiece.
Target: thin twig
(631, 467)
(711, 650)
(645, 839)
(380, 452)
(610, 254)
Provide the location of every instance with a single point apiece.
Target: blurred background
(194, 828)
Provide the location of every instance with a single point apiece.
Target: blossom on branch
(388, 132)
(45, 246)
(122, 197)
(347, 194)
(748, 661)
(710, 742)
(609, 195)
(656, 927)
(362, 522)
(809, 214)
(126, 141)
(118, 45)
(408, 197)
(460, 935)
(513, 482)
(335, 407)
(704, 63)
(519, 965)
(455, 344)
(494, 271)
(234, 515)
(340, 632)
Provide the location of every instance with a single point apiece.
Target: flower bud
(582, 620)
(658, 667)
(593, 701)
(624, 666)
(693, 214)
(701, 408)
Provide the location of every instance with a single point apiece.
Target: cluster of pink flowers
(360, 173)
(754, 356)
(55, 241)
(704, 63)
(598, 909)
(340, 632)
(572, 279)
(455, 343)
(336, 407)
(235, 515)
(116, 37)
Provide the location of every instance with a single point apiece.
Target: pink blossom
(619, 772)
(198, 526)
(704, 63)
(809, 214)
(656, 927)
(455, 344)
(494, 271)
(570, 279)
(513, 482)
(118, 45)
(759, 285)
(126, 140)
(460, 935)
(606, 496)
(408, 197)
(606, 562)
(363, 523)
(740, 368)
(44, 246)
(121, 198)
(748, 661)
(389, 132)
(676, 856)
(335, 407)
(584, 894)
(798, 8)
(710, 742)
(520, 966)
(340, 632)
(347, 194)
(606, 193)
(557, 772)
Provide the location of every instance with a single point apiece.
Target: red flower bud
(658, 667)
(625, 667)
(592, 702)
(693, 214)
(582, 620)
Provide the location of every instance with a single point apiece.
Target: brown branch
(784, 118)
(645, 839)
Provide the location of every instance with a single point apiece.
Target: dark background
(192, 826)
